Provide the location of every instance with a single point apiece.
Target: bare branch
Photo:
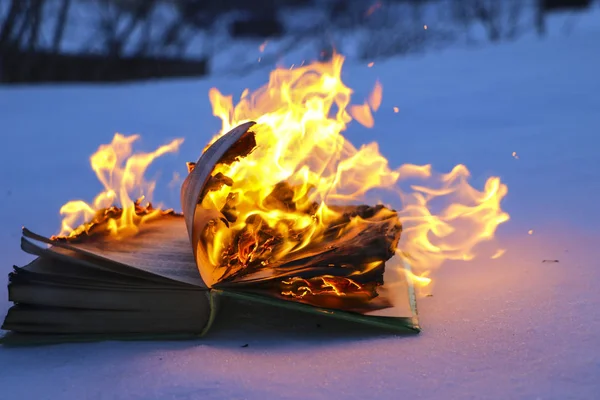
(61, 23)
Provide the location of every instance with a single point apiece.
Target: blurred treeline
(113, 40)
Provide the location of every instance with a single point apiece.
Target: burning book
(167, 277)
(273, 212)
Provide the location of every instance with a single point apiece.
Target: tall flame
(122, 174)
(300, 115)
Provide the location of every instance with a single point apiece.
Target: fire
(324, 285)
(300, 116)
(421, 280)
(333, 292)
(122, 175)
(327, 284)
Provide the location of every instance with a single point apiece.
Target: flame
(300, 115)
(122, 175)
(499, 253)
(418, 280)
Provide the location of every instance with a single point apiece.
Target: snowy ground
(514, 327)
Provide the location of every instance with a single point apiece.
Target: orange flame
(300, 115)
(122, 175)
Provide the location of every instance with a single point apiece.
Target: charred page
(266, 230)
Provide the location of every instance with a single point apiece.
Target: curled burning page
(192, 189)
(276, 240)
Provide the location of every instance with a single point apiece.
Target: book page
(65, 255)
(194, 183)
(48, 269)
(399, 289)
(161, 247)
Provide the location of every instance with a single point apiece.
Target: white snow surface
(509, 328)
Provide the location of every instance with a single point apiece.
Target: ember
(106, 221)
(331, 292)
(326, 285)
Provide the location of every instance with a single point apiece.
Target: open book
(166, 280)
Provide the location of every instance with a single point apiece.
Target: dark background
(119, 40)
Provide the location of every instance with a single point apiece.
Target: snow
(513, 327)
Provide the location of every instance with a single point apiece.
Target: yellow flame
(300, 115)
(122, 174)
(418, 280)
(499, 253)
